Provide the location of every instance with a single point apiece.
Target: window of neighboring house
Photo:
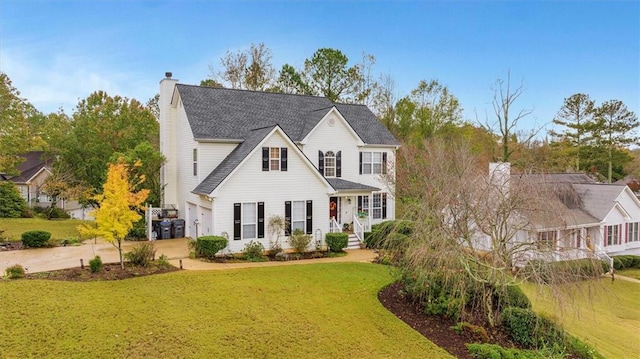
(612, 235)
(298, 215)
(632, 232)
(373, 163)
(547, 240)
(195, 161)
(248, 220)
(274, 158)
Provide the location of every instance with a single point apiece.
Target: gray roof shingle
(213, 180)
(219, 113)
(343, 185)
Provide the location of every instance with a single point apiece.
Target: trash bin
(165, 230)
(177, 226)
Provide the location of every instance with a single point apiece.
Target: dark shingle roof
(219, 113)
(33, 162)
(213, 180)
(343, 185)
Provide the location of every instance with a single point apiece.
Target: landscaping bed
(110, 271)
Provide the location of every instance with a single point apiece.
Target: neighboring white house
(235, 158)
(591, 219)
(32, 173)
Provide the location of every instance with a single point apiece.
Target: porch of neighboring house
(564, 244)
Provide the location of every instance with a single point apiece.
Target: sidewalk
(47, 259)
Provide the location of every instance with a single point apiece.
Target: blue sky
(57, 52)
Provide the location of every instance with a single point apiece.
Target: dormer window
(330, 163)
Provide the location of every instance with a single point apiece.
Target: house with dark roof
(31, 174)
(585, 218)
(236, 158)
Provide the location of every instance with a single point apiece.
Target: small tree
(276, 225)
(11, 202)
(118, 206)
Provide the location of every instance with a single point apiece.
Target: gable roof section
(32, 165)
(219, 113)
(340, 184)
(257, 136)
(599, 199)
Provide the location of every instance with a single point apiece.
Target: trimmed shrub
(626, 261)
(35, 239)
(56, 213)
(381, 231)
(337, 241)
(141, 255)
(530, 330)
(208, 246)
(494, 351)
(95, 265)
(11, 202)
(511, 296)
(14, 272)
(299, 241)
(254, 252)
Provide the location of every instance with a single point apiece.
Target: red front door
(333, 207)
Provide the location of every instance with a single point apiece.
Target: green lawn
(59, 229)
(308, 311)
(633, 273)
(605, 315)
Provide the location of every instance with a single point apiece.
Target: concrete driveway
(47, 259)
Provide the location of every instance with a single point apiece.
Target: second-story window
(373, 163)
(330, 163)
(274, 159)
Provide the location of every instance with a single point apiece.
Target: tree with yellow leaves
(118, 205)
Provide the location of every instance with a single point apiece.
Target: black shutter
(287, 217)
(309, 217)
(237, 225)
(265, 158)
(384, 163)
(260, 219)
(339, 164)
(321, 162)
(359, 203)
(384, 205)
(283, 159)
(360, 162)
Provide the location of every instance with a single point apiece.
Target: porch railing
(604, 256)
(334, 226)
(358, 229)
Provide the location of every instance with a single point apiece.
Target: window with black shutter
(309, 217)
(321, 162)
(265, 158)
(237, 223)
(260, 219)
(339, 164)
(287, 217)
(283, 159)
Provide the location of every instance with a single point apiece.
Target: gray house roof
(343, 185)
(213, 180)
(599, 199)
(219, 113)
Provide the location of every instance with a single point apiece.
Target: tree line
(588, 137)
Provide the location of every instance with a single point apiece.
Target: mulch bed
(435, 328)
(11, 246)
(110, 271)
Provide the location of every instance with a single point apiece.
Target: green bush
(138, 231)
(14, 272)
(494, 351)
(299, 241)
(581, 349)
(626, 261)
(95, 265)
(208, 246)
(337, 241)
(56, 213)
(254, 252)
(478, 333)
(142, 254)
(35, 239)
(530, 330)
(380, 232)
(11, 202)
(541, 271)
(163, 261)
(511, 296)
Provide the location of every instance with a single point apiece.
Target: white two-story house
(235, 158)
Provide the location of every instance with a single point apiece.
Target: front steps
(353, 242)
